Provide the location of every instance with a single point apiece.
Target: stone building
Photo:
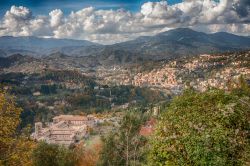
(64, 130)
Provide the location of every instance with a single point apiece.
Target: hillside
(15, 59)
(182, 42)
(167, 45)
(200, 72)
(35, 46)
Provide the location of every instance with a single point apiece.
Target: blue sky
(45, 6)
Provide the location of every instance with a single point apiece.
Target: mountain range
(35, 46)
(167, 45)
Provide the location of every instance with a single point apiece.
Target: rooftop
(70, 117)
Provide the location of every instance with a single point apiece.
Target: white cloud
(159, 10)
(211, 10)
(240, 29)
(19, 12)
(56, 17)
(19, 21)
(110, 26)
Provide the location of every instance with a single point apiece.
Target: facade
(64, 130)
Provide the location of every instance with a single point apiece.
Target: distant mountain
(163, 46)
(59, 60)
(37, 46)
(6, 62)
(182, 42)
(79, 51)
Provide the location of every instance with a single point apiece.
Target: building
(148, 129)
(64, 130)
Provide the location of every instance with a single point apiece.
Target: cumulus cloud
(56, 17)
(16, 19)
(160, 10)
(111, 26)
(19, 21)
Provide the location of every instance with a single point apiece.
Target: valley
(107, 81)
(60, 84)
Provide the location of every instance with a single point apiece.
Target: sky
(112, 21)
(45, 6)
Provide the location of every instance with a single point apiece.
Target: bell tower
(38, 128)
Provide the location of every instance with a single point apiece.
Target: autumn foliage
(88, 156)
(15, 149)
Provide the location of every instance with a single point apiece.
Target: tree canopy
(16, 148)
(210, 128)
(53, 155)
(125, 147)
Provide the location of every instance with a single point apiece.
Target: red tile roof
(148, 128)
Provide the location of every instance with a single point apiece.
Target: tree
(15, 150)
(125, 147)
(48, 89)
(87, 156)
(53, 155)
(210, 128)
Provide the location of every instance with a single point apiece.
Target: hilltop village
(199, 72)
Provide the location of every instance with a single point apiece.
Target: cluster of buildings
(172, 76)
(203, 61)
(222, 79)
(164, 77)
(114, 75)
(201, 72)
(65, 129)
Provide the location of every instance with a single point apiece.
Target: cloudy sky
(112, 21)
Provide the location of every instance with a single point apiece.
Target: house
(148, 128)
